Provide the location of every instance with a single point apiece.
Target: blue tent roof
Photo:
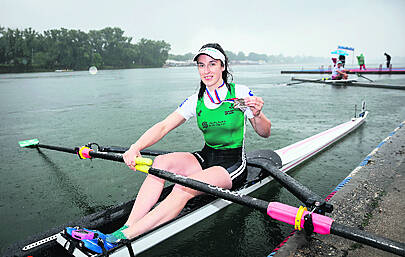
(339, 52)
(346, 48)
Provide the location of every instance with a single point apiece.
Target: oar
(305, 81)
(295, 83)
(364, 77)
(120, 149)
(303, 193)
(299, 217)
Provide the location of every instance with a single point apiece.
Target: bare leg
(177, 199)
(152, 187)
(147, 196)
(166, 210)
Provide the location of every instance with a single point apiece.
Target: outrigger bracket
(321, 207)
(304, 194)
(308, 224)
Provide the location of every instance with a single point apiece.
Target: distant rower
(388, 60)
(338, 72)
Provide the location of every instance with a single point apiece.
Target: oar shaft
(300, 191)
(295, 83)
(297, 189)
(100, 155)
(210, 189)
(195, 184)
(366, 238)
(107, 156)
(178, 179)
(57, 148)
(119, 149)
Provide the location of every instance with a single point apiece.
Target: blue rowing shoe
(90, 240)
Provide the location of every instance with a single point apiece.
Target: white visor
(214, 53)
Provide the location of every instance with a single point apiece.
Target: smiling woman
(222, 161)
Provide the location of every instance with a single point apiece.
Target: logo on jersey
(206, 125)
(250, 93)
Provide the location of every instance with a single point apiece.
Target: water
(41, 190)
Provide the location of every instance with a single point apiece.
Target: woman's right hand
(130, 155)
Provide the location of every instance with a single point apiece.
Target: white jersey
(187, 109)
(335, 70)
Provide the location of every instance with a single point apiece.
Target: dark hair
(225, 74)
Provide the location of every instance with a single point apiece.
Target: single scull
(344, 82)
(196, 210)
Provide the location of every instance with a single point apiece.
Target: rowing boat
(326, 80)
(52, 243)
(345, 82)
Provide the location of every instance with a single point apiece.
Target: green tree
(241, 56)
(152, 53)
(3, 45)
(74, 49)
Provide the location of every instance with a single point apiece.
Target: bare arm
(260, 123)
(152, 136)
(342, 72)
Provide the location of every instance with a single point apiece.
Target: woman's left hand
(255, 104)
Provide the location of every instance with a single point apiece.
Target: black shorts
(233, 160)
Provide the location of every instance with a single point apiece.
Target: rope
(282, 243)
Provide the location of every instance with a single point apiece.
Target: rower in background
(334, 61)
(342, 58)
(338, 72)
(360, 60)
(388, 60)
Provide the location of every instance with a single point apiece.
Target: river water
(114, 107)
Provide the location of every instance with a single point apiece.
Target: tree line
(108, 48)
(255, 57)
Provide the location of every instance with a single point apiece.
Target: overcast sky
(289, 27)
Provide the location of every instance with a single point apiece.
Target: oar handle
(143, 161)
(142, 168)
(143, 164)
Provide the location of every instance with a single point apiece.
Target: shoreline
(372, 200)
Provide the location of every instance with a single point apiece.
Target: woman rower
(221, 162)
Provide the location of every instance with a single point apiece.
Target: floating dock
(353, 83)
(349, 71)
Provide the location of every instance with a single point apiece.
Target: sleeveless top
(222, 127)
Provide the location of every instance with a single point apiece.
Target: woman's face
(210, 70)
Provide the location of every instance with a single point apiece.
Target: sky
(289, 27)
